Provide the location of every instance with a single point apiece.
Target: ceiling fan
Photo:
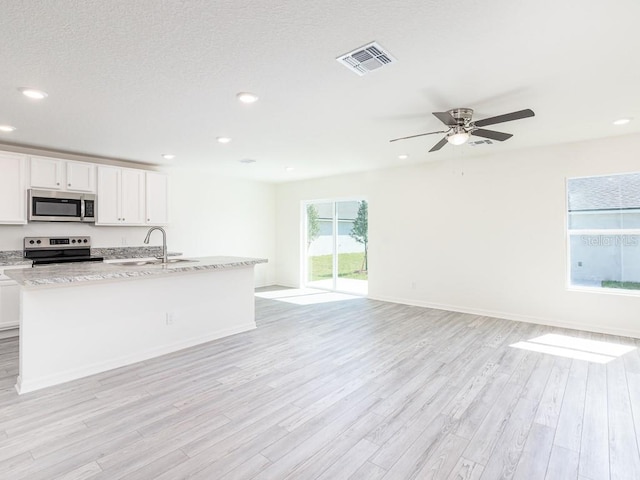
(461, 126)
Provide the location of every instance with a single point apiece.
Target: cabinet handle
(148, 219)
(69, 185)
(57, 183)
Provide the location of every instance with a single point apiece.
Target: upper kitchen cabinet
(56, 174)
(132, 196)
(81, 177)
(121, 196)
(157, 198)
(13, 186)
(46, 173)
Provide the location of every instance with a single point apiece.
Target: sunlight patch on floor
(577, 348)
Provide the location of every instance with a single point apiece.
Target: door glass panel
(320, 245)
(351, 246)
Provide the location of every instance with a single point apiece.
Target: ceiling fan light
(458, 138)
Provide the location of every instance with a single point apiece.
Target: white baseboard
(84, 371)
(512, 316)
(9, 333)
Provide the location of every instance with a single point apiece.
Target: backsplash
(129, 252)
(10, 256)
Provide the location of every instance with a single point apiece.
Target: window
(604, 231)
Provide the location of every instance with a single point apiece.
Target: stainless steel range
(46, 250)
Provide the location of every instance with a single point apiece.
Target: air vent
(481, 142)
(366, 59)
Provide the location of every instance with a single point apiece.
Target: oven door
(47, 206)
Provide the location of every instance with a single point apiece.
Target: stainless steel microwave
(53, 206)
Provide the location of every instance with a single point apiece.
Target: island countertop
(73, 273)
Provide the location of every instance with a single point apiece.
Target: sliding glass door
(336, 245)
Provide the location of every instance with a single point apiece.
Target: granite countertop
(73, 273)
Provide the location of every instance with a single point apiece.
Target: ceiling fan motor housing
(462, 115)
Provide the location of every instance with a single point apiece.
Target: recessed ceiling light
(404, 156)
(168, 156)
(7, 128)
(223, 139)
(247, 97)
(247, 160)
(33, 93)
(622, 121)
(289, 169)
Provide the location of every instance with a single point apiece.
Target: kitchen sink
(171, 261)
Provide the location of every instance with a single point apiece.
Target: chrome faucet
(164, 241)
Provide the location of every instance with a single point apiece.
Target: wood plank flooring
(356, 389)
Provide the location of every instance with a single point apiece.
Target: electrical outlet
(171, 318)
(124, 241)
(413, 285)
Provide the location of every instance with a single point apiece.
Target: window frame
(569, 233)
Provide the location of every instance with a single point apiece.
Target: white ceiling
(134, 79)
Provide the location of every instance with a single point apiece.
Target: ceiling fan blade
(492, 134)
(414, 136)
(446, 118)
(439, 145)
(507, 117)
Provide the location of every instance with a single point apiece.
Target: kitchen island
(78, 319)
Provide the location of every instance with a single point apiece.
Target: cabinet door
(108, 196)
(157, 198)
(132, 199)
(46, 173)
(9, 305)
(13, 189)
(81, 177)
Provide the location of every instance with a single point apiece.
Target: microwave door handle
(81, 208)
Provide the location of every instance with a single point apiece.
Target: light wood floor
(346, 390)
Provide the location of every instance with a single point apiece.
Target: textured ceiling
(134, 79)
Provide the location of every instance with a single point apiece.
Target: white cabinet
(81, 177)
(46, 173)
(13, 189)
(108, 211)
(157, 198)
(56, 174)
(132, 196)
(9, 303)
(120, 196)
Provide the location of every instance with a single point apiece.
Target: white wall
(484, 235)
(211, 215)
(11, 235)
